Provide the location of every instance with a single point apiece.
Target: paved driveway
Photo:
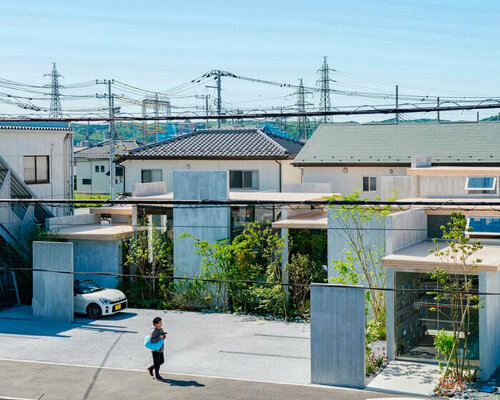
(198, 343)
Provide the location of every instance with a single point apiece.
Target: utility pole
(205, 97)
(55, 110)
(397, 103)
(219, 100)
(324, 85)
(111, 131)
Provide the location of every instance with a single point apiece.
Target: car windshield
(85, 287)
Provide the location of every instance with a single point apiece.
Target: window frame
(254, 177)
(96, 169)
(371, 183)
(37, 181)
(491, 190)
(87, 179)
(151, 171)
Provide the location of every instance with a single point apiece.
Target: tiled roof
(221, 143)
(101, 150)
(447, 143)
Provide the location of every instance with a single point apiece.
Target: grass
(85, 196)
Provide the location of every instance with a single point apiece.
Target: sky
(439, 48)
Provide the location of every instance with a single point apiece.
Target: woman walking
(158, 358)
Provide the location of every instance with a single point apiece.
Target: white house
(92, 167)
(256, 161)
(371, 158)
(40, 154)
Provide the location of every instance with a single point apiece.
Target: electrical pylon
(301, 105)
(55, 110)
(324, 86)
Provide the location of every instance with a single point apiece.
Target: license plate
(118, 307)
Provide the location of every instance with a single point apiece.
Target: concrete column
(390, 298)
(53, 292)
(337, 335)
(489, 330)
(205, 222)
(286, 250)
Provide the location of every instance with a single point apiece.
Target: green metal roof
(447, 143)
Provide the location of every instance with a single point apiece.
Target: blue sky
(427, 47)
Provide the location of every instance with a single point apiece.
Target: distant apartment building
(92, 167)
(256, 161)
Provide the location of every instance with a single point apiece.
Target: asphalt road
(33, 380)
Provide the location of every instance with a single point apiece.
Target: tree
(455, 280)
(361, 261)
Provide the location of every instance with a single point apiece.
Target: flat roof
(479, 210)
(420, 258)
(454, 171)
(253, 196)
(114, 210)
(312, 220)
(96, 232)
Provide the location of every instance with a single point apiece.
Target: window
(369, 183)
(86, 181)
(481, 185)
(244, 179)
(36, 169)
(97, 168)
(151, 175)
(483, 227)
(102, 168)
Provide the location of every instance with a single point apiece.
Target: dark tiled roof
(101, 150)
(221, 143)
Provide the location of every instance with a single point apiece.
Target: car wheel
(94, 311)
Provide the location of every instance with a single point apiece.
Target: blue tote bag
(152, 346)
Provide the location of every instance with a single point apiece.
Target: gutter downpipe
(276, 161)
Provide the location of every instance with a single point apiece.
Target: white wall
(85, 169)
(268, 170)
(346, 183)
(17, 143)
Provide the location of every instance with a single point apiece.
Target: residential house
(92, 167)
(256, 160)
(371, 158)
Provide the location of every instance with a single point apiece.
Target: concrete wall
(337, 335)
(489, 327)
(53, 292)
(211, 223)
(53, 224)
(268, 170)
(346, 183)
(400, 187)
(404, 228)
(149, 189)
(101, 256)
(17, 143)
(308, 187)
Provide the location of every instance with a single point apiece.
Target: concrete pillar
(205, 222)
(337, 335)
(390, 298)
(489, 329)
(285, 254)
(53, 292)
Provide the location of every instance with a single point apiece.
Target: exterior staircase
(18, 223)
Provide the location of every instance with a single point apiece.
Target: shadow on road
(176, 382)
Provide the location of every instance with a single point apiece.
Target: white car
(95, 301)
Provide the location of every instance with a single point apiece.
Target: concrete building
(256, 161)
(92, 167)
(373, 158)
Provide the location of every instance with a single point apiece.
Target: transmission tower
(301, 105)
(324, 86)
(55, 110)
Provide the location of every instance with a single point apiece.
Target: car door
(78, 302)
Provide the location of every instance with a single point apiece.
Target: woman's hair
(156, 320)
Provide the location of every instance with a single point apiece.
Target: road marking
(264, 354)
